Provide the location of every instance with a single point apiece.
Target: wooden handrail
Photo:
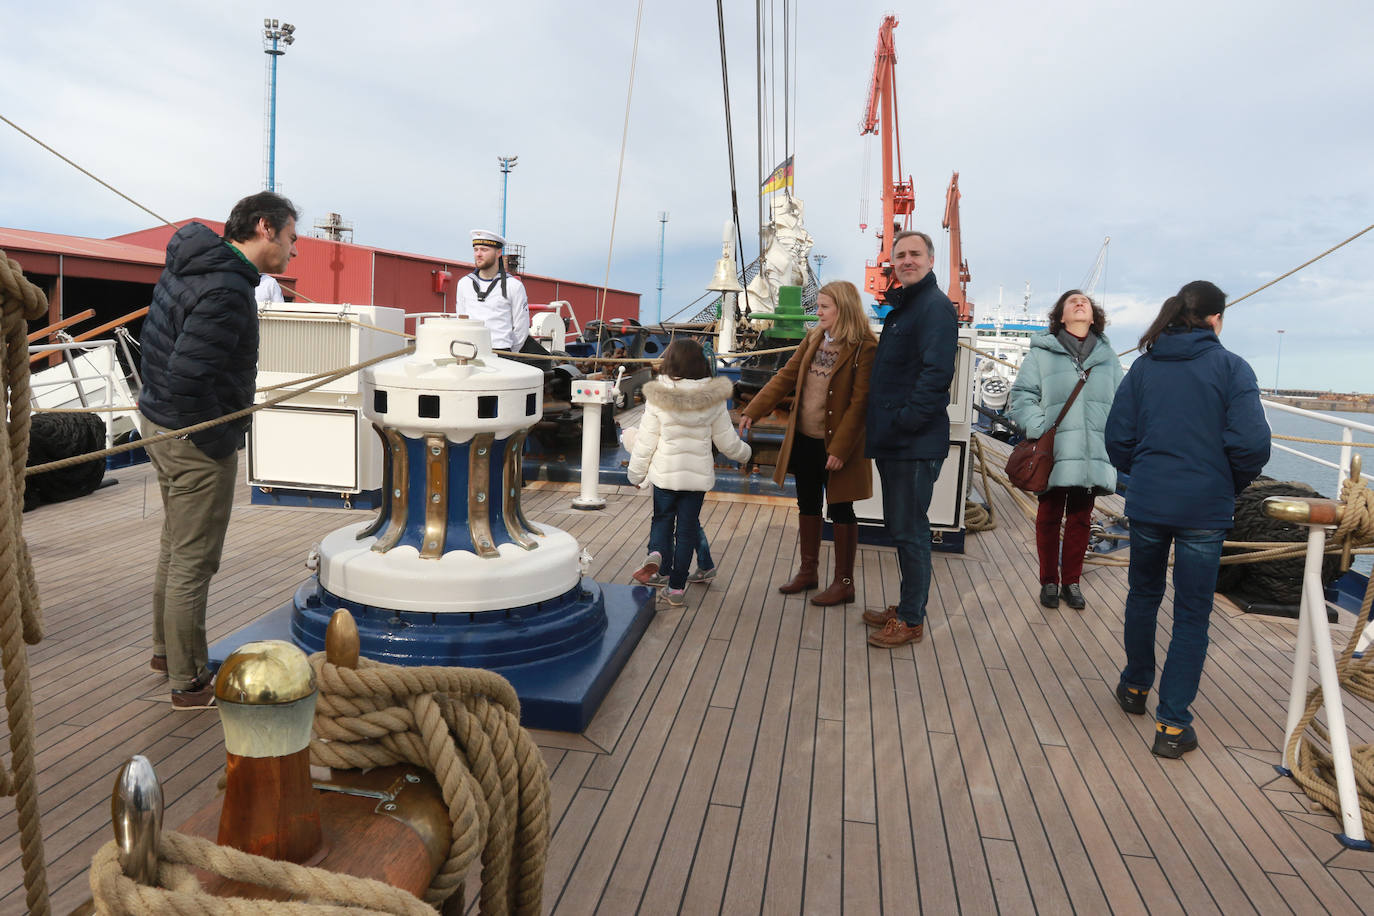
(95, 332)
(37, 335)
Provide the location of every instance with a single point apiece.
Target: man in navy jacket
(908, 427)
(200, 356)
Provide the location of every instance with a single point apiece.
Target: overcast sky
(1221, 140)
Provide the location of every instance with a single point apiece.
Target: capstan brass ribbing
(376, 524)
(436, 496)
(519, 527)
(479, 499)
(399, 466)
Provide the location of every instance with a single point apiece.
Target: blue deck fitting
(561, 656)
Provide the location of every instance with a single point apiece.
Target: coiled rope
(20, 620)
(463, 725)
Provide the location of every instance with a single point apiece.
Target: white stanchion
(1314, 632)
(593, 395)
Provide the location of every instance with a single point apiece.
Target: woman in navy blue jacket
(1188, 427)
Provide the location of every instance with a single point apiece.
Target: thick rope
(1315, 770)
(20, 621)
(178, 892)
(463, 725)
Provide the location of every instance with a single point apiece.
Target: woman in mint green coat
(1074, 346)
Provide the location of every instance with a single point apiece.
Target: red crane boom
(899, 198)
(958, 268)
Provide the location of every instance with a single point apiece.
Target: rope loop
(463, 725)
(20, 620)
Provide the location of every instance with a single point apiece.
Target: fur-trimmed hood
(688, 393)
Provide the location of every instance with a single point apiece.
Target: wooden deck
(756, 755)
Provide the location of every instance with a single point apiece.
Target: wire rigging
(620, 171)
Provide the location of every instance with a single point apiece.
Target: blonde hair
(851, 325)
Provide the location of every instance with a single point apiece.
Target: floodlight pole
(275, 37)
(507, 163)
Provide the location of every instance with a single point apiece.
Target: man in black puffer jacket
(200, 356)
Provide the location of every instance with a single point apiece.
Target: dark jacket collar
(905, 295)
(1184, 343)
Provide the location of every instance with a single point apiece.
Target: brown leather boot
(841, 590)
(809, 542)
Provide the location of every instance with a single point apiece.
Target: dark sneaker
(200, 695)
(1132, 699)
(1173, 742)
(1049, 595)
(645, 573)
(1073, 597)
(896, 633)
(703, 576)
(879, 619)
(676, 597)
(158, 663)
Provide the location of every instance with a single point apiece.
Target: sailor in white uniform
(269, 290)
(493, 296)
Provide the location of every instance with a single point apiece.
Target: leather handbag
(1030, 463)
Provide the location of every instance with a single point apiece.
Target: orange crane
(899, 198)
(958, 267)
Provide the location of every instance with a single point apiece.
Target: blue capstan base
(285, 497)
(1283, 770)
(1348, 843)
(559, 693)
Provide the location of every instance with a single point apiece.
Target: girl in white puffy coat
(685, 414)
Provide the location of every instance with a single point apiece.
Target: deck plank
(756, 754)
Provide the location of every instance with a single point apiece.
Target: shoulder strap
(1082, 380)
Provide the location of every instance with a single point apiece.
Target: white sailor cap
(487, 238)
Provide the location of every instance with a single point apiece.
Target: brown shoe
(158, 663)
(895, 634)
(809, 545)
(879, 619)
(200, 695)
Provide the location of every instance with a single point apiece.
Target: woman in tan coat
(827, 379)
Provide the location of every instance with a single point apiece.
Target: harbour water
(1286, 466)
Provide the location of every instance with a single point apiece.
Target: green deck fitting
(789, 321)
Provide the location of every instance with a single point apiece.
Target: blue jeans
(704, 560)
(677, 521)
(908, 485)
(1197, 556)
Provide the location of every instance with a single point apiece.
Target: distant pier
(1321, 400)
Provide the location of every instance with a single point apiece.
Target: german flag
(781, 177)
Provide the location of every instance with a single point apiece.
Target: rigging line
(786, 81)
(1284, 276)
(758, 104)
(620, 170)
(85, 172)
(106, 184)
(730, 148)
